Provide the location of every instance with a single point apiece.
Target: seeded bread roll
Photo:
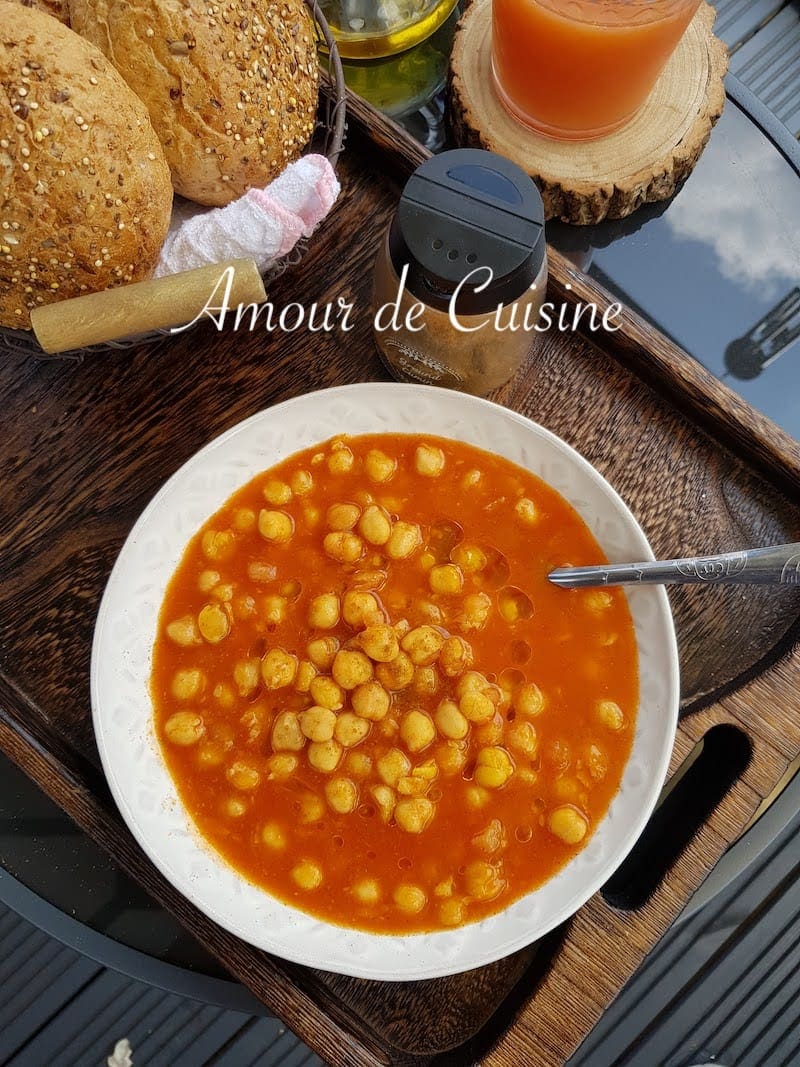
(85, 195)
(231, 87)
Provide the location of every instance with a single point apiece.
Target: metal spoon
(753, 566)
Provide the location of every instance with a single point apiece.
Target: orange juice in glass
(581, 68)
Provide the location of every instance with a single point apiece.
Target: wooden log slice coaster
(587, 181)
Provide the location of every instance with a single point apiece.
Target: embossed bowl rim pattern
(121, 658)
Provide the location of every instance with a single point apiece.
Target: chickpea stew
(370, 698)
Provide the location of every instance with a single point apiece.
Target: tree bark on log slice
(586, 181)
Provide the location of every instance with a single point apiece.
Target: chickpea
(451, 913)
(206, 580)
(375, 525)
(379, 641)
(211, 754)
(278, 668)
(597, 600)
(455, 657)
(529, 700)
(472, 681)
(483, 881)
(422, 644)
(359, 764)
(188, 684)
(410, 898)
(476, 706)
(429, 461)
(378, 466)
(323, 611)
(426, 681)
(273, 836)
(274, 609)
(492, 839)
(341, 461)
(343, 546)
(218, 545)
(385, 801)
(275, 526)
(307, 875)
(350, 730)
(475, 612)
(491, 732)
(428, 612)
(417, 730)
(526, 510)
(282, 765)
(470, 558)
(446, 578)
(351, 668)
(397, 674)
(427, 560)
(370, 701)
(392, 766)
(184, 631)
(235, 807)
(596, 763)
(224, 696)
(311, 516)
(360, 608)
(247, 676)
(244, 520)
(306, 673)
(413, 815)
(213, 623)
(367, 891)
(493, 767)
(277, 492)
(405, 539)
(259, 571)
(445, 888)
(450, 758)
(223, 592)
(324, 755)
(301, 482)
(609, 714)
(342, 516)
(317, 723)
(312, 808)
(286, 733)
(471, 479)
(567, 823)
(243, 775)
(244, 607)
(450, 722)
(184, 728)
(342, 795)
(326, 692)
(521, 736)
(322, 652)
(569, 790)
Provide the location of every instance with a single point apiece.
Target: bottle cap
(462, 212)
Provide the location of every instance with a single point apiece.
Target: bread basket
(327, 139)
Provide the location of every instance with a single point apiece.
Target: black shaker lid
(462, 212)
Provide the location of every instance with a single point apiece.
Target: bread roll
(230, 85)
(85, 195)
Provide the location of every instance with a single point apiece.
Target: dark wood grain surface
(85, 445)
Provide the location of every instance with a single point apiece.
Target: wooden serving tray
(85, 445)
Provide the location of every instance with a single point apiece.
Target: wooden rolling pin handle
(157, 304)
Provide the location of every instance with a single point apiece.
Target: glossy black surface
(717, 268)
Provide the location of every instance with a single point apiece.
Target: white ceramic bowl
(126, 628)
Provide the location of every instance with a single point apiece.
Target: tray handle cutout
(718, 759)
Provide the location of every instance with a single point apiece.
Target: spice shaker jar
(461, 277)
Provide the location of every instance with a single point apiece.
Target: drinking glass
(579, 69)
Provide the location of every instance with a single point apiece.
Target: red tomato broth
(570, 658)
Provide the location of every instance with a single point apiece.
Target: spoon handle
(753, 566)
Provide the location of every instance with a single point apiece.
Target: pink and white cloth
(263, 225)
